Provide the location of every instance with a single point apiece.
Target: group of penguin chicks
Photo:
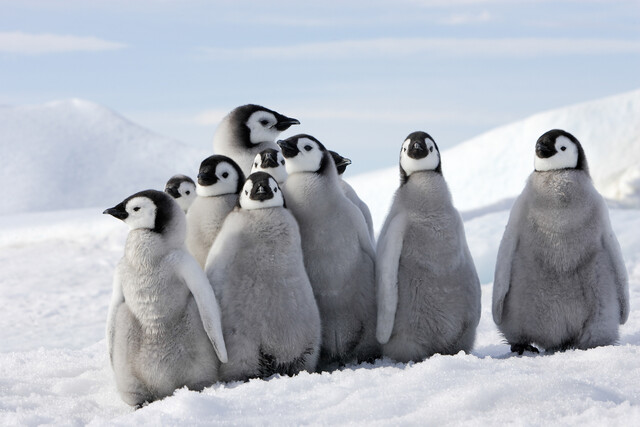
(278, 273)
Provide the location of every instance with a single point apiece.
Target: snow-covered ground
(56, 269)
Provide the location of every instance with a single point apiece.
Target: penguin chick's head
(219, 175)
(149, 209)
(272, 162)
(419, 152)
(260, 191)
(255, 124)
(304, 153)
(182, 189)
(558, 149)
(341, 162)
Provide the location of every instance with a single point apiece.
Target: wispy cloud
(400, 47)
(35, 44)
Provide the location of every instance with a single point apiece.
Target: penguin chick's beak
(418, 150)
(343, 163)
(545, 149)
(289, 149)
(117, 212)
(284, 123)
(207, 178)
(269, 161)
(173, 192)
(261, 193)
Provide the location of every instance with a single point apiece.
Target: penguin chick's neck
(559, 188)
(427, 189)
(144, 247)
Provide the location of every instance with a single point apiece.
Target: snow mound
(75, 154)
(495, 165)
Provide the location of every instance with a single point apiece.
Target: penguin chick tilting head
(419, 152)
(341, 162)
(558, 149)
(270, 161)
(304, 153)
(182, 189)
(219, 175)
(260, 191)
(149, 209)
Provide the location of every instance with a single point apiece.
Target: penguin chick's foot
(521, 348)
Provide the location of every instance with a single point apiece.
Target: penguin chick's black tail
(270, 366)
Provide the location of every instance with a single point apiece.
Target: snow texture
(56, 283)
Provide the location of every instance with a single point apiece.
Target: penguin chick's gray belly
(204, 219)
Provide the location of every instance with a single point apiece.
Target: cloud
(36, 44)
(402, 47)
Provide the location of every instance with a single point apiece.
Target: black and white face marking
(265, 125)
(148, 209)
(341, 162)
(557, 149)
(182, 189)
(303, 153)
(260, 191)
(272, 162)
(218, 175)
(419, 152)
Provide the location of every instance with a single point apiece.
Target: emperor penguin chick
(338, 253)
(246, 131)
(270, 161)
(219, 183)
(341, 166)
(560, 279)
(270, 317)
(182, 189)
(163, 328)
(428, 288)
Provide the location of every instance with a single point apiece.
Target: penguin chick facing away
(338, 254)
(163, 328)
(219, 183)
(428, 288)
(271, 162)
(270, 318)
(341, 166)
(246, 131)
(182, 189)
(560, 280)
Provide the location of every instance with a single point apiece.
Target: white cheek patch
(563, 159)
(410, 165)
(306, 160)
(279, 172)
(142, 213)
(249, 204)
(227, 182)
(185, 200)
(259, 132)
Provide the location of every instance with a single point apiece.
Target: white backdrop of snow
(56, 281)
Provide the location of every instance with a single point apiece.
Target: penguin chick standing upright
(219, 183)
(338, 253)
(246, 131)
(182, 189)
(271, 162)
(270, 317)
(341, 166)
(163, 327)
(560, 279)
(428, 288)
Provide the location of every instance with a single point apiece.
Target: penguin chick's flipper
(521, 348)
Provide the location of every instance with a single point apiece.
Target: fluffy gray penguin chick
(162, 305)
(270, 161)
(341, 166)
(246, 131)
(270, 318)
(338, 254)
(560, 280)
(182, 189)
(219, 183)
(428, 288)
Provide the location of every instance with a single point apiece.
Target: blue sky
(359, 75)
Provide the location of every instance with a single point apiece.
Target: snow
(56, 282)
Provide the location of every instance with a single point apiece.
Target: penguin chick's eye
(431, 150)
(187, 192)
(307, 147)
(246, 192)
(136, 209)
(282, 162)
(255, 164)
(404, 149)
(563, 148)
(275, 190)
(264, 122)
(225, 175)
